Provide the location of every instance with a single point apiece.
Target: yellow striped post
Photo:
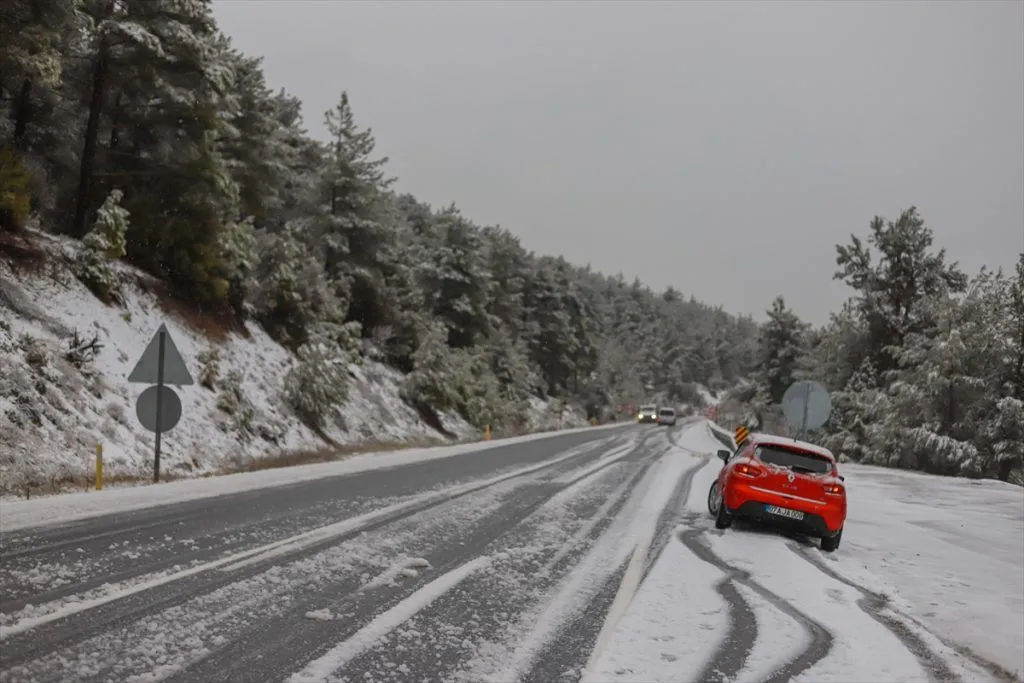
(742, 434)
(99, 467)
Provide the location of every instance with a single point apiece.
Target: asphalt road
(342, 577)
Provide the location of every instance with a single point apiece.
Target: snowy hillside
(56, 404)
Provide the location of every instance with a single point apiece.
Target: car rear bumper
(820, 519)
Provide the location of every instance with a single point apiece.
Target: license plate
(783, 512)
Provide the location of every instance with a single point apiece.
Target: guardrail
(721, 435)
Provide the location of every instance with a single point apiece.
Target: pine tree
(890, 292)
(782, 348)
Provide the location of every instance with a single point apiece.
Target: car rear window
(668, 412)
(783, 457)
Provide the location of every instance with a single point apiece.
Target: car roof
(773, 440)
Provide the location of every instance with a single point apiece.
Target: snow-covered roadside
(53, 413)
(947, 550)
(944, 551)
(75, 506)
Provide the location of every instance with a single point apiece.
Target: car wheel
(723, 520)
(829, 544)
(714, 499)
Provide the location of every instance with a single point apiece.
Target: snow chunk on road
(672, 627)
(320, 615)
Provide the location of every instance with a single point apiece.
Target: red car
(783, 482)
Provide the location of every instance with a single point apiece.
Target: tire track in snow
(447, 638)
(672, 514)
(878, 607)
(567, 654)
(632, 580)
(731, 656)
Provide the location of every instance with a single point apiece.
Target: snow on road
(671, 626)
(324, 668)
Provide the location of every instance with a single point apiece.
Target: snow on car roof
(774, 440)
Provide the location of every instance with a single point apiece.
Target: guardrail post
(487, 432)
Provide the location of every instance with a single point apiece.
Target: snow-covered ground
(929, 581)
(53, 414)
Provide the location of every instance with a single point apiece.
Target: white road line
(634, 571)
(627, 590)
(322, 668)
(640, 513)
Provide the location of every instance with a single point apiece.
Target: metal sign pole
(807, 403)
(159, 404)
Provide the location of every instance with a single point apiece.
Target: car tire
(723, 520)
(830, 544)
(714, 500)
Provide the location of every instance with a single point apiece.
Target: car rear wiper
(802, 470)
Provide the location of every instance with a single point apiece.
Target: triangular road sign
(147, 369)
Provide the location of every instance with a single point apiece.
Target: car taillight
(834, 490)
(748, 470)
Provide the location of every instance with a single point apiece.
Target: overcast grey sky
(723, 148)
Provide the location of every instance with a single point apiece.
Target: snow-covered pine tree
(783, 346)
(104, 243)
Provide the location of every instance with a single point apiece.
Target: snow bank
(53, 413)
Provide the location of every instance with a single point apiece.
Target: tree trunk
(92, 127)
(1005, 469)
(115, 120)
(22, 113)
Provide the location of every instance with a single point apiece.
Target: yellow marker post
(487, 432)
(99, 467)
(742, 433)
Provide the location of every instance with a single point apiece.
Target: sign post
(158, 408)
